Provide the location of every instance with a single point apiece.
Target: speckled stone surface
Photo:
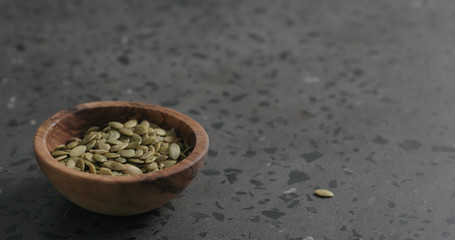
(353, 96)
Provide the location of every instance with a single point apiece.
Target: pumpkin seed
(168, 163)
(59, 147)
(59, 158)
(128, 153)
(148, 141)
(174, 151)
(150, 159)
(141, 130)
(135, 160)
(91, 144)
(99, 157)
(104, 146)
(147, 155)
(78, 151)
(131, 123)
(99, 151)
(114, 165)
(105, 171)
(160, 131)
(91, 129)
(111, 155)
(323, 193)
(115, 125)
(151, 166)
(70, 163)
(145, 124)
(171, 139)
(133, 170)
(126, 131)
(161, 158)
(88, 156)
(91, 167)
(120, 160)
(88, 138)
(139, 153)
(57, 153)
(72, 144)
(80, 164)
(171, 133)
(114, 141)
(119, 147)
(136, 138)
(132, 145)
(113, 135)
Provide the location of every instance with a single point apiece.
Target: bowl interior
(74, 122)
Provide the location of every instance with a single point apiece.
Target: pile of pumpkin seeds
(123, 149)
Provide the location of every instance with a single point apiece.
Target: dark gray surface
(353, 96)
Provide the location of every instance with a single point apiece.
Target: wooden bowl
(118, 195)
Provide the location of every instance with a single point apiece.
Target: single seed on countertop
(323, 193)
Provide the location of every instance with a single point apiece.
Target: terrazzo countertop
(353, 96)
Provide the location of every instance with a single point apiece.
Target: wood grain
(118, 195)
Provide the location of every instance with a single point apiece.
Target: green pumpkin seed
(115, 125)
(91, 167)
(99, 157)
(145, 124)
(91, 144)
(105, 171)
(120, 160)
(88, 138)
(159, 131)
(59, 158)
(127, 153)
(174, 151)
(147, 155)
(99, 151)
(136, 138)
(114, 165)
(72, 144)
(71, 163)
(104, 146)
(171, 133)
(161, 158)
(133, 170)
(131, 123)
(171, 139)
(114, 141)
(168, 163)
(135, 160)
(119, 147)
(139, 153)
(111, 155)
(323, 193)
(113, 135)
(80, 164)
(125, 139)
(88, 156)
(59, 153)
(91, 129)
(59, 147)
(141, 130)
(151, 166)
(148, 141)
(126, 131)
(150, 131)
(150, 159)
(132, 145)
(78, 151)
(143, 148)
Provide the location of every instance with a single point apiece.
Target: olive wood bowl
(118, 195)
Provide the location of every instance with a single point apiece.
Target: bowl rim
(43, 156)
